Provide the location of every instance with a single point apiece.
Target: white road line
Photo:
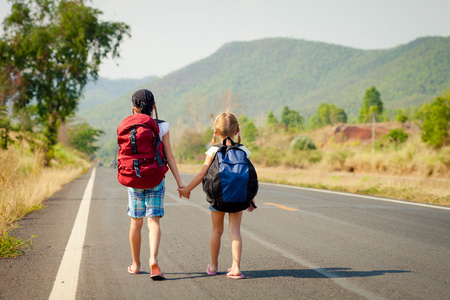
(358, 195)
(342, 282)
(66, 282)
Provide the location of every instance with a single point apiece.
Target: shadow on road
(295, 273)
(318, 273)
(179, 276)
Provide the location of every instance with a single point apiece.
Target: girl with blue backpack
(238, 175)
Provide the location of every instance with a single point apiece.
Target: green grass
(12, 247)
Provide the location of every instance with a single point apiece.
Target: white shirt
(212, 151)
(163, 129)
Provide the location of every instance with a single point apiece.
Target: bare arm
(171, 160)
(197, 178)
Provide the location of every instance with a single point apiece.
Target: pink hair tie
(239, 133)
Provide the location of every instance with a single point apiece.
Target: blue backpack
(231, 181)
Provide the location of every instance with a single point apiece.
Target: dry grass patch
(424, 190)
(25, 183)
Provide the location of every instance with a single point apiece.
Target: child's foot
(211, 271)
(156, 272)
(235, 275)
(133, 270)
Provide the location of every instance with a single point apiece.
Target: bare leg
(216, 234)
(155, 238)
(135, 243)
(234, 230)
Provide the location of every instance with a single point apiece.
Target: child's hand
(182, 192)
(181, 186)
(251, 207)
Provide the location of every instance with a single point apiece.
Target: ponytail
(239, 134)
(156, 113)
(213, 141)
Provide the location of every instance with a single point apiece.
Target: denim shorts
(146, 202)
(212, 208)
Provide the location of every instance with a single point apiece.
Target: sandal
(156, 273)
(130, 270)
(233, 276)
(209, 272)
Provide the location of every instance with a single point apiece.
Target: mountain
(269, 74)
(105, 90)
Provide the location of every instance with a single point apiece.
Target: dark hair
(144, 101)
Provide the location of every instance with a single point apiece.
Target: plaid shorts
(146, 202)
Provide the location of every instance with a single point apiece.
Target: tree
(402, 116)
(271, 119)
(248, 129)
(328, 114)
(5, 124)
(83, 138)
(50, 49)
(397, 136)
(436, 121)
(372, 104)
(291, 119)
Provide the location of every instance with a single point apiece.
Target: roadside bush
(302, 143)
(397, 136)
(12, 247)
(337, 159)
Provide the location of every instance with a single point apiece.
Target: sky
(168, 35)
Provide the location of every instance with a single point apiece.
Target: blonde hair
(226, 124)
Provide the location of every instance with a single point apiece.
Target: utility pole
(373, 131)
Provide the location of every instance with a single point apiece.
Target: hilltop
(271, 73)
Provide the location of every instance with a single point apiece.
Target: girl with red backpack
(144, 151)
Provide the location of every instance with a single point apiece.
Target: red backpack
(141, 162)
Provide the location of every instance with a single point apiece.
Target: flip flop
(132, 272)
(156, 276)
(209, 272)
(232, 276)
(240, 276)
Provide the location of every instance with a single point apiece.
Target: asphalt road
(298, 244)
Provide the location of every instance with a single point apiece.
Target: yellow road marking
(282, 206)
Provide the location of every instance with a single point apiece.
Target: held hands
(182, 192)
